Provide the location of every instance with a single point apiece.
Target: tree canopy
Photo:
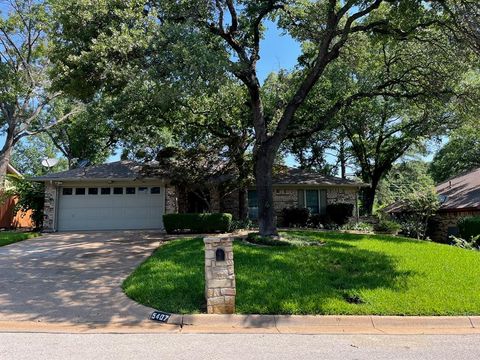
(460, 154)
(395, 58)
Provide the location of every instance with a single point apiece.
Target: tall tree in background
(25, 101)
(89, 137)
(31, 150)
(227, 37)
(460, 154)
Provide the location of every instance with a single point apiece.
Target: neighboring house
(460, 197)
(120, 196)
(9, 218)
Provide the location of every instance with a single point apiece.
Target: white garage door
(111, 208)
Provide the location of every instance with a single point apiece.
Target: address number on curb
(160, 316)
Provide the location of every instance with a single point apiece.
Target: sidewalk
(267, 324)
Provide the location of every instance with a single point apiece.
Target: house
(459, 197)
(122, 195)
(9, 217)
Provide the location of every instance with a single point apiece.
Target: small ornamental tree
(31, 196)
(417, 196)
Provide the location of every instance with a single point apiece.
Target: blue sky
(278, 51)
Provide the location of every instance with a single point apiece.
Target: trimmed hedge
(197, 223)
(339, 213)
(469, 227)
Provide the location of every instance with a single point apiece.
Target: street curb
(331, 324)
(267, 324)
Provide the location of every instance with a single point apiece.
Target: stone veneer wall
(171, 200)
(288, 197)
(220, 287)
(282, 198)
(49, 207)
(343, 195)
(444, 220)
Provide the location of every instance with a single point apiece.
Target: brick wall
(282, 198)
(444, 220)
(343, 195)
(171, 200)
(49, 207)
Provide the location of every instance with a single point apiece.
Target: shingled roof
(124, 170)
(292, 176)
(131, 170)
(461, 192)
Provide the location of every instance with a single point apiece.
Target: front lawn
(349, 274)
(10, 237)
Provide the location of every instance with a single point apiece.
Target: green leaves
(460, 154)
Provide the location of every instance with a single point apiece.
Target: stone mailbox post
(219, 275)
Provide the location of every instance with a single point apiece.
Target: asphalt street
(237, 346)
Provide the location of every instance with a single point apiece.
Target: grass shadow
(311, 280)
(270, 280)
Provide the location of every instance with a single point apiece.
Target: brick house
(120, 196)
(460, 197)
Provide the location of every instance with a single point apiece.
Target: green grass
(7, 237)
(350, 274)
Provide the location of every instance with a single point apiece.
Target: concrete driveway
(73, 277)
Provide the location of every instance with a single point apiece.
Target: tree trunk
(264, 159)
(343, 161)
(369, 196)
(5, 155)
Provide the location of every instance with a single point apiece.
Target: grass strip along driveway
(348, 274)
(8, 237)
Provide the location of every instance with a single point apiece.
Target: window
(80, 191)
(142, 190)
(92, 191)
(67, 191)
(118, 190)
(155, 190)
(311, 201)
(105, 191)
(252, 205)
(314, 200)
(130, 190)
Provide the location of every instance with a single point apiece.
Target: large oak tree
(106, 41)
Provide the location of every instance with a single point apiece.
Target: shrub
(256, 238)
(387, 226)
(197, 223)
(295, 217)
(469, 227)
(241, 224)
(317, 221)
(31, 196)
(339, 213)
(472, 244)
(358, 226)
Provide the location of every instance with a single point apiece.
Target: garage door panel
(111, 212)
